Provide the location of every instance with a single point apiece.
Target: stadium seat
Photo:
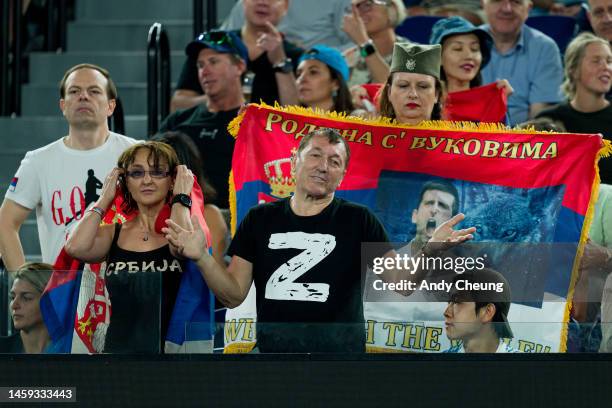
(560, 28)
(417, 28)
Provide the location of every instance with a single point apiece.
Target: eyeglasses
(156, 174)
(366, 5)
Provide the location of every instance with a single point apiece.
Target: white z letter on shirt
(281, 285)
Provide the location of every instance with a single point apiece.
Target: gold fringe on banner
(481, 127)
(605, 151)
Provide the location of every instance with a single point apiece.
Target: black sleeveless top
(142, 287)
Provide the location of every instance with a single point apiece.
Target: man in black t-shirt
(304, 255)
(221, 60)
(271, 58)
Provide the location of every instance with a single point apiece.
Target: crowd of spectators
(339, 56)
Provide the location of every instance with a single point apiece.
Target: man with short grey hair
(600, 17)
(527, 58)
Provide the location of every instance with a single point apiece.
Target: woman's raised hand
(109, 188)
(190, 243)
(183, 182)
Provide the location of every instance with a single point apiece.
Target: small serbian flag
(13, 184)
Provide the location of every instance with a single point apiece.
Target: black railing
(10, 66)
(12, 45)
(17, 59)
(5, 44)
(4, 300)
(198, 16)
(56, 25)
(211, 14)
(116, 122)
(158, 77)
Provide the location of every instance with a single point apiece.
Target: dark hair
(386, 107)
(189, 155)
(441, 185)
(497, 318)
(158, 151)
(333, 137)
(111, 89)
(543, 123)
(477, 80)
(343, 102)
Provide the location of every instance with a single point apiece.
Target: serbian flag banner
(77, 310)
(486, 103)
(529, 194)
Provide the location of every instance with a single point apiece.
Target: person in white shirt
(61, 180)
(477, 312)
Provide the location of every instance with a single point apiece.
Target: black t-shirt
(307, 272)
(581, 122)
(142, 287)
(209, 132)
(264, 82)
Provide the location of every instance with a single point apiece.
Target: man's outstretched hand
(446, 236)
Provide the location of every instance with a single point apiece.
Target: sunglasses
(367, 5)
(218, 38)
(156, 174)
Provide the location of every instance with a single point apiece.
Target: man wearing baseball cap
(221, 60)
(477, 312)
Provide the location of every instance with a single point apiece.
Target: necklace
(145, 233)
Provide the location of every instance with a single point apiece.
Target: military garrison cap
(417, 59)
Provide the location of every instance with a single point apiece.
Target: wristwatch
(284, 67)
(367, 48)
(182, 199)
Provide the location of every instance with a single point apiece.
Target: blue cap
(329, 56)
(226, 42)
(458, 25)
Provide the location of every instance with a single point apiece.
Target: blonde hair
(396, 11)
(36, 274)
(574, 54)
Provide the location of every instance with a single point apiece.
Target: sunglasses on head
(367, 4)
(217, 37)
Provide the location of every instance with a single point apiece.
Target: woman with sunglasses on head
(143, 271)
(371, 26)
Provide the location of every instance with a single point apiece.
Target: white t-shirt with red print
(61, 183)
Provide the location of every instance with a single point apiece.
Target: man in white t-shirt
(62, 179)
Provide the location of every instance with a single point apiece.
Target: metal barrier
(116, 122)
(56, 25)
(158, 77)
(12, 45)
(10, 65)
(198, 17)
